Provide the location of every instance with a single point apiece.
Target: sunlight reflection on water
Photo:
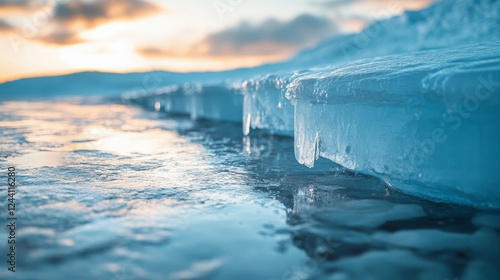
(109, 191)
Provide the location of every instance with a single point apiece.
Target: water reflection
(111, 191)
(356, 227)
(39, 159)
(131, 193)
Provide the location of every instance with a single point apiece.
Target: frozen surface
(111, 192)
(411, 105)
(265, 104)
(412, 99)
(426, 122)
(200, 101)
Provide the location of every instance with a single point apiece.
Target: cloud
(160, 52)
(68, 19)
(269, 38)
(9, 7)
(73, 17)
(91, 14)
(354, 15)
(61, 36)
(333, 3)
(18, 4)
(5, 27)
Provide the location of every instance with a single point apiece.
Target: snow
(412, 99)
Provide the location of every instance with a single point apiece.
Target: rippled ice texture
(110, 192)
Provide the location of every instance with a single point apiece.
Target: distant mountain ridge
(444, 23)
(99, 83)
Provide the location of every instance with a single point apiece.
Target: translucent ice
(427, 122)
(412, 99)
(216, 102)
(200, 101)
(169, 99)
(265, 105)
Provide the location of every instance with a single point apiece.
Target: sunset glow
(57, 37)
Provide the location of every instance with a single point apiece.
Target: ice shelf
(413, 99)
(200, 101)
(426, 122)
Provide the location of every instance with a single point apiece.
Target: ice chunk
(368, 213)
(216, 102)
(482, 256)
(200, 101)
(174, 100)
(265, 105)
(389, 264)
(487, 220)
(170, 99)
(426, 122)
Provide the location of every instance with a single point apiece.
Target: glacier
(412, 99)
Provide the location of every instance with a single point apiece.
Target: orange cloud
(69, 18)
(270, 39)
(5, 27)
(9, 7)
(91, 14)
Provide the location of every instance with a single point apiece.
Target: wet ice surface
(112, 192)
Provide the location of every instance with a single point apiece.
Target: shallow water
(112, 192)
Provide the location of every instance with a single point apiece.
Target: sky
(53, 37)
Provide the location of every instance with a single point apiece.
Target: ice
(390, 264)
(412, 99)
(416, 105)
(258, 103)
(431, 241)
(368, 213)
(200, 101)
(169, 99)
(487, 220)
(216, 102)
(444, 24)
(426, 122)
(265, 105)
